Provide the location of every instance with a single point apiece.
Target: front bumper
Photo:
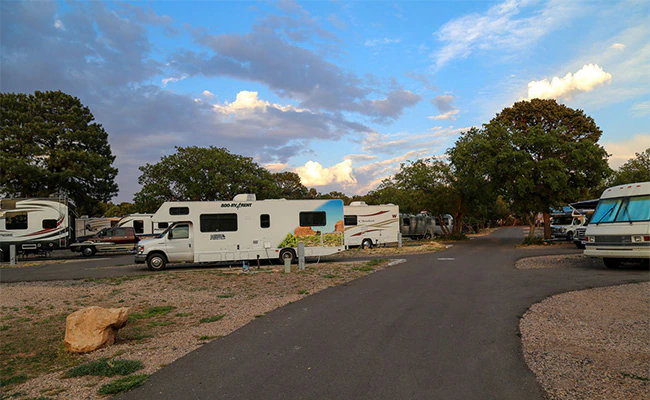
(140, 258)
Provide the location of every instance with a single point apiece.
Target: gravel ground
(591, 344)
(560, 261)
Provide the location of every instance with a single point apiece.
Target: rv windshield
(562, 221)
(623, 209)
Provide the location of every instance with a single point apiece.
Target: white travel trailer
(424, 225)
(34, 225)
(369, 226)
(88, 226)
(619, 229)
(143, 224)
(243, 229)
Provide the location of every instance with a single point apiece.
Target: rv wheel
(612, 262)
(427, 235)
(88, 251)
(156, 262)
(366, 244)
(287, 254)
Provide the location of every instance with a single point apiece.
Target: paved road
(441, 326)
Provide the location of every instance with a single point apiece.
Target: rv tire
(427, 235)
(156, 262)
(88, 251)
(366, 244)
(612, 263)
(287, 254)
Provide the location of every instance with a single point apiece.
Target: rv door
(179, 244)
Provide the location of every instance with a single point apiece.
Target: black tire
(287, 254)
(569, 236)
(612, 263)
(366, 244)
(88, 251)
(581, 246)
(427, 236)
(156, 262)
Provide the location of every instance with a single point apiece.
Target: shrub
(105, 367)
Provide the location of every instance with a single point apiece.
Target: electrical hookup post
(301, 256)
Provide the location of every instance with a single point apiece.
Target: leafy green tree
(540, 155)
(202, 174)
(335, 195)
(50, 144)
(119, 210)
(634, 170)
(290, 185)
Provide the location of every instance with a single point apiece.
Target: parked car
(107, 240)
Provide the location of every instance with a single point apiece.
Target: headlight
(140, 249)
(562, 230)
(590, 239)
(640, 239)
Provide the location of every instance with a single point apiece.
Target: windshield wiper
(606, 214)
(629, 217)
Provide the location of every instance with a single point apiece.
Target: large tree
(636, 169)
(50, 144)
(202, 174)
(540, 155)
(290, 185)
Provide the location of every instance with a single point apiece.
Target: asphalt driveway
(440, 326)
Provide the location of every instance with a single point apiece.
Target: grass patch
(330, 276)
(105, 367)
(212, 318)
(152, 312)
(226, 295)
(633, 376)
(208, 337)
(303, 291)
(375, 262)
(162, 323)
(534, 241)
(123, 384)
(13, 380)
(187, 314)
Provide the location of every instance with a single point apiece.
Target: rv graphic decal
(331, 232)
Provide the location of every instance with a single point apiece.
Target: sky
(340, 92)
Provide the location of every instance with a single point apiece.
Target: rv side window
(163, 225)
(16, 221)
(138, 226)
(49, 223)
(350, 220)
(179, 211)
(265, 221)
(218, 222)
(313, 218)
(180, 232)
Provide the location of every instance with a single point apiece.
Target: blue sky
(339, 92)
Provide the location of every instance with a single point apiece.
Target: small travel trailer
(424, 225)
(243, 229)
(35, 225)
(619, 229)
(88, 226)
(367, 226)
(143, 225)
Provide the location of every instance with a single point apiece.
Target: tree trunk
(547, 225)
(532, 221)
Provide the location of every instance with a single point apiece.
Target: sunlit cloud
(624, 150)
(314, 174)
(172, 80)
(617, 46)
(276, 167)
(207, 94)
(586, 79)
(449, 116)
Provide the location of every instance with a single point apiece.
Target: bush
(532, 241)
(105, 367)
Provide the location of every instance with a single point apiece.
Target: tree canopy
(539, 155)
(201, 174)
(634, 170)
(50, 144)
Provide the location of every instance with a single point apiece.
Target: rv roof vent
(358, 203)
(244, 197)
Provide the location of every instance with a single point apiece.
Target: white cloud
(313, 173)
(641, 109)
(586, 79)
(58, 24)
(380, 42)
(276, 167)
(617, 46)
(622, 151)
(172, 80)
(449, 116)
(248, 103)
(207, 94)
(500, 28)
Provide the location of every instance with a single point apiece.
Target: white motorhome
(243, 229)
(619, 229)
(143, 224)
(35, 225)
(369, 226)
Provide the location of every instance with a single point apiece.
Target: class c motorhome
(367, 226)
(619, 229)
(243, 229)
(35, 225)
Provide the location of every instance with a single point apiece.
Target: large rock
(91, 328)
